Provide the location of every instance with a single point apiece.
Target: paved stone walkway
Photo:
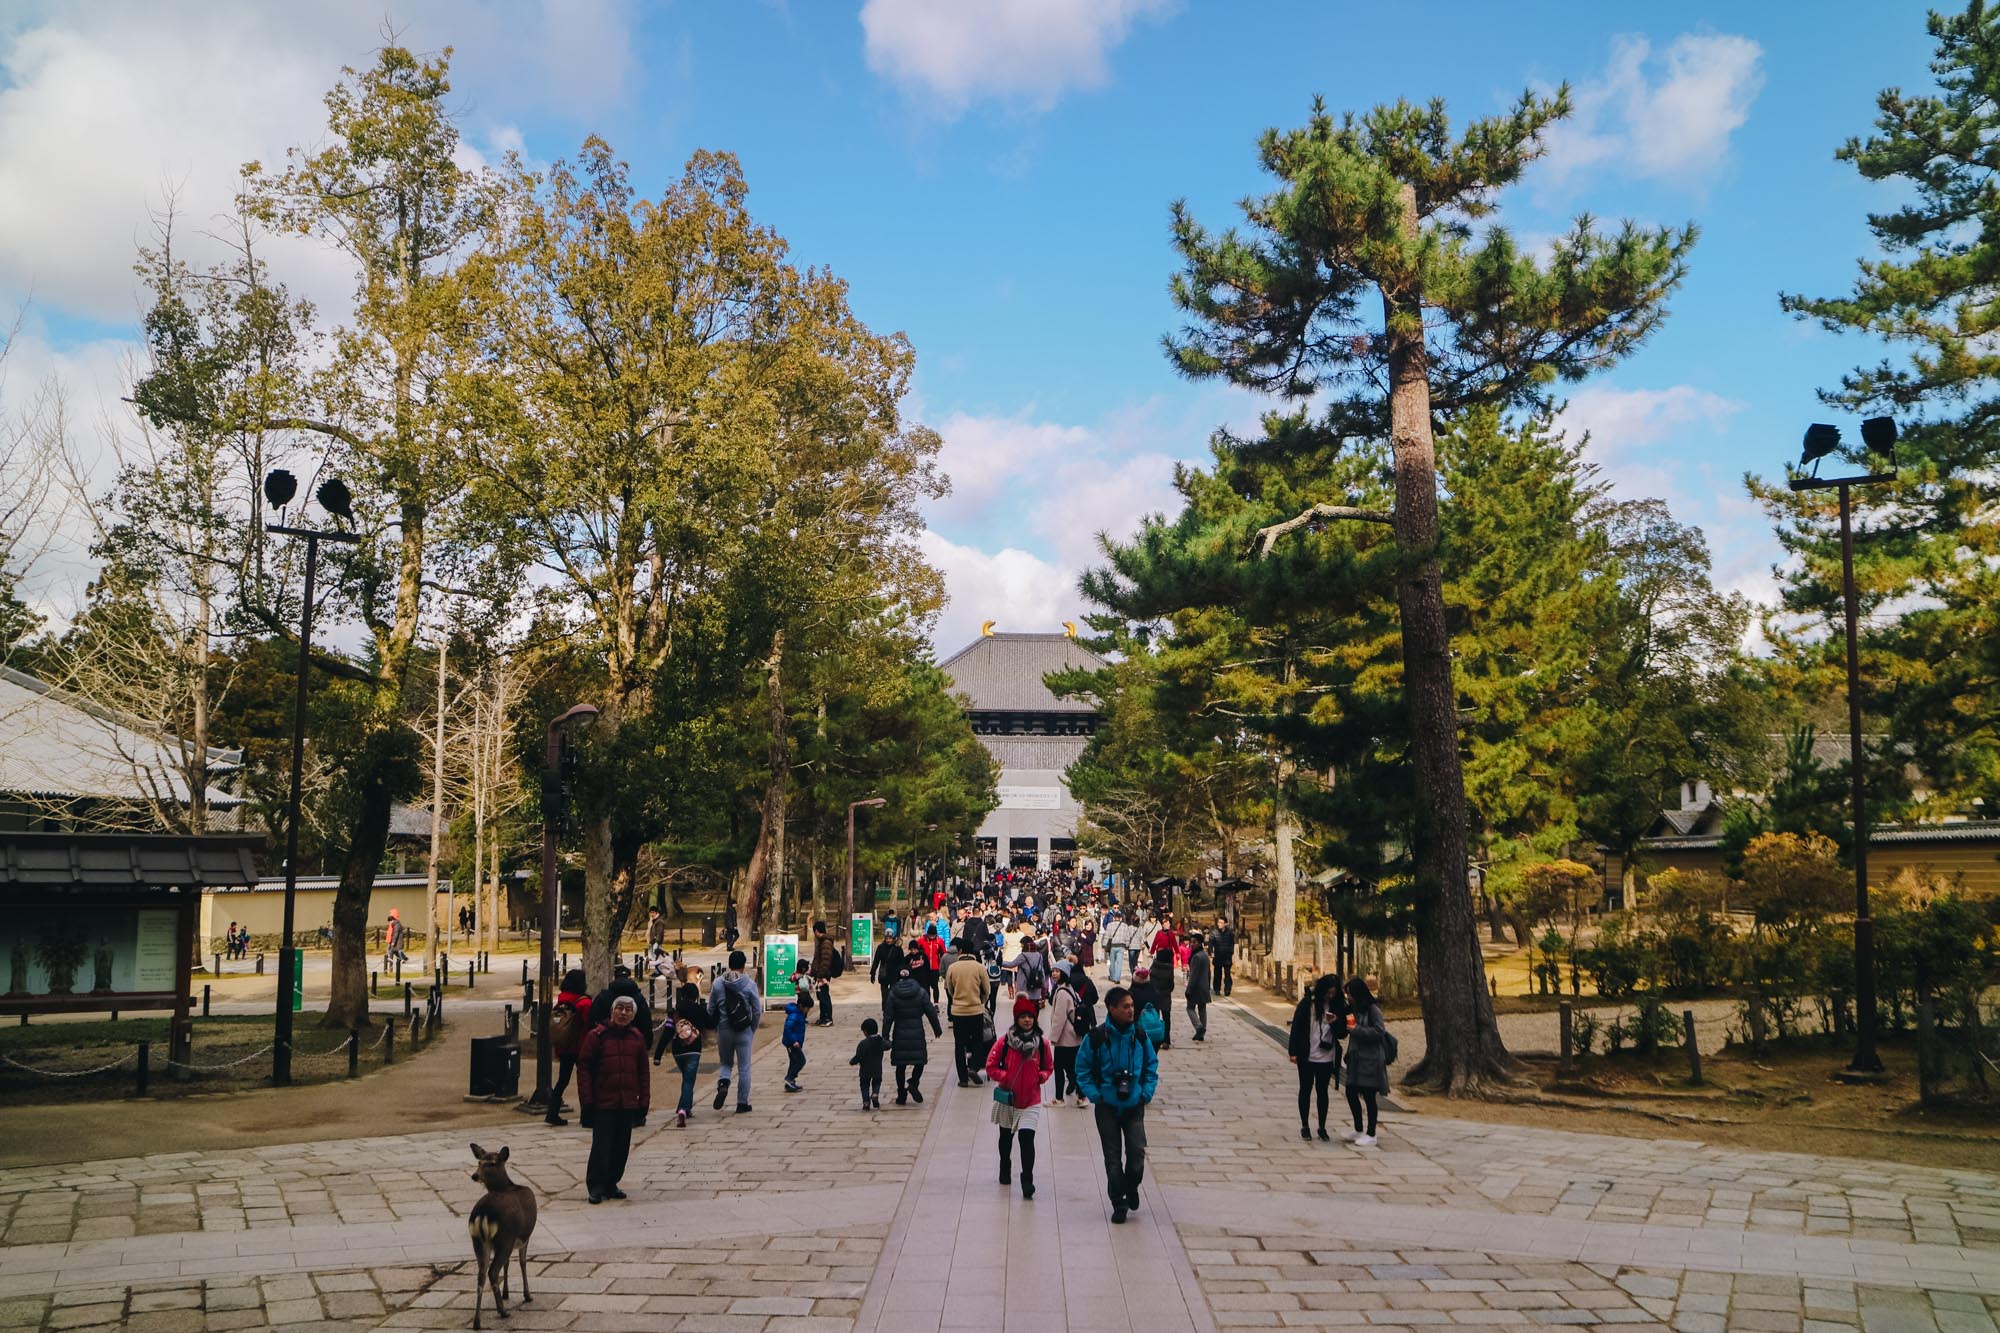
(811, 1214)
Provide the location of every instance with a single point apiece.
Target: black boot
(1027, 1182)
(1007, 1171)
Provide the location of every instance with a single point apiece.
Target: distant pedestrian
(1223, 949)
(395, 939)
(615, 1089)
(1069, 1023)
(1019, 1063)
(968, 992)
(885, 969)
(1370, 1050)
(910, 1008)
(656, 932)
(1318, 1025)
(1198, 991)
(569, 1024)
(1118, 1071)
(737, 1008)
(684, 1035)
(794, 1039)
(1162, 979)
(825, 965)
(868, 1061)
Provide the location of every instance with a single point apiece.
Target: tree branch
(1268, 537)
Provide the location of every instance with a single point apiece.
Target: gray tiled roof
(1002, 673)
(55, 744)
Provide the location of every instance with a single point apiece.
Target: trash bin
(708, 931)
(496, 1067)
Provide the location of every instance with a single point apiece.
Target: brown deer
(501, 1223)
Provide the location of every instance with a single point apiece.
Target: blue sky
(993, 179)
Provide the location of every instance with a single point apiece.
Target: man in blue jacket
(1118, 1071)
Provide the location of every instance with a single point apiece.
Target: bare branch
(1268, 537)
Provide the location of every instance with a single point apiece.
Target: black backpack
(1083, 1017)
(736, 1009)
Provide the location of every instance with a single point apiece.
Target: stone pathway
(810, 1214)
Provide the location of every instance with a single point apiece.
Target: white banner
(1030, 798)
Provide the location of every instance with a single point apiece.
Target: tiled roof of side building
(1003, 672)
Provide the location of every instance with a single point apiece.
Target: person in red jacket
(615, 1086)
(1019, 1063)
(567, 1033)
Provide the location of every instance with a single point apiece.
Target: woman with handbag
(1318, 1025)
(1371, 1048)
(684, 1035)
(1019, 1063)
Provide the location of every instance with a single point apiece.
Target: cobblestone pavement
(809, 1214)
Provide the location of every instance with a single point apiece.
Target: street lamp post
(552, 818)
(847, 897)
(1879, 434)
(279, 488)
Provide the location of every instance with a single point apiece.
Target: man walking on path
(966, 989)
(737, 1008)
(1198, 988)
(1118, 1071)
(1224, 952)
(826, 958)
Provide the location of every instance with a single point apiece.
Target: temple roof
(1003, 672)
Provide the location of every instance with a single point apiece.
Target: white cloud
(106, 108)
(957, 51)
(1620, 420)
(984, 456)
(1668, 117)
(1016, 588)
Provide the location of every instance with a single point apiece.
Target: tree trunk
(1463, 1050)
(438, 914)
(608, 879)
(348, 1005)
(1285, 893)
(763, 881)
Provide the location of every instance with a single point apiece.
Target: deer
(501, 1224)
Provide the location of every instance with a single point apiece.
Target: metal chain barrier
(322, 1055)
(229, 1064)
(66, 1073)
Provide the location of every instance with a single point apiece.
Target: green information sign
(781, 960)
(298, 980)
(861, 937)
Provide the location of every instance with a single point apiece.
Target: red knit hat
(1024, 1005)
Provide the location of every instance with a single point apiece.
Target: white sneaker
(1349, 1135)
(1058, 1102)
(1364, 1141)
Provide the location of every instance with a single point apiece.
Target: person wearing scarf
(1019, 1063)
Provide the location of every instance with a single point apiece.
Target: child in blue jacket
(794, 1037)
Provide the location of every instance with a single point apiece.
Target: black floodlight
(279, 488)
(1821, 440)
(1879, 434)
(336, 499)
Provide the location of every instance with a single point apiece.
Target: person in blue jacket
(1116, 1068)
(794, 1037)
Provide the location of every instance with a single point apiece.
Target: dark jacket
(1223, 946)
(824, 953)
(1300, 1045)
(1198, 991)
(1367, 1052)
(688, 1004)
(611, 1072)
(919, 967)
(600, 1008)
(909, 1008)
(887, 964)
(795, 1025)
(868, 1055)
(1163, 972)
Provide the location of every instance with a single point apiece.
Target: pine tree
(1927, 548)
(1373, 213)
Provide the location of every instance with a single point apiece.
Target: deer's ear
(503, 1153)
(478, 1151)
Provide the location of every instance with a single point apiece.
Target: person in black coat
(1163, 992)
(885, 968)
(1318, 1024)
(909, 1009)
(622, 984)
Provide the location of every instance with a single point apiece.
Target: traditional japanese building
(1033, 735)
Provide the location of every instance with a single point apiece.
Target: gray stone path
(810, 1214)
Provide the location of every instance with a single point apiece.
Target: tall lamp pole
(279, 488)
(1879, 435)
(554, 801)
(847, 897)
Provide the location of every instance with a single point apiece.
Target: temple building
(1032, 735)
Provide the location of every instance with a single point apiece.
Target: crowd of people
(1036, 937)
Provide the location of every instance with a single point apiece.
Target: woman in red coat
(614, 1084)
(1019, 1063)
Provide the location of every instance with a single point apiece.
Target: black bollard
(260, 964)
(389, 1042)
(524, 971)
(145, 1062)
(204, 1001)
(508, 1023)
(353, 1052)
(218, 965)
(114, 1015)
(409, 997)
(527, 996)
(1565, 1021)
(468, 976)
(399, 969)
(1693, 1047)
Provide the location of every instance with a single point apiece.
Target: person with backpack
(967, 992)
(737, 1008)
(1146, 1003)
(684, 1035)
(1318, 1025)
(1019, 1063)
(569, 1024)
(910, 1008)
(826, 965)
(794, 1039)
(1162, 978)
(1118, 1071)
(1031, 972)
(1070, 1020)
(1371, 1049)
(1198, 994)
(868, 1060)
(615, 1089)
